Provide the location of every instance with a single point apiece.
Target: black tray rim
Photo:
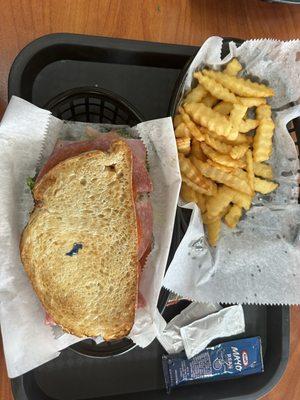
(70, 39)
(14, 87)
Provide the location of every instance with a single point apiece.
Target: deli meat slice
(144, 215)
(67, 149)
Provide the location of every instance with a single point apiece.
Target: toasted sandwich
(89, 233)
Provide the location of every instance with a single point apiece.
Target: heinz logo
(245, 358)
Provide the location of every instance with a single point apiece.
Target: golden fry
(252, 101)
(220, 166)
(213, 232)
(220, 176)
(223, 108)
(264, 187)
(263, 170)
(192, 127)
(240, 199)
(196, 95)
(209, 100)
(182, 131)
(216, 205)
(215, 88)
(247, 125)
(223, 159)
(241, 138)
(260, 185)
(263, 112)
(262, 144)
(183, 145)
(177, 120)
(208, 118)
(236, 116)
(239, 151)
(233, 216)
(197, 151)
(233, 67)
(239, 86)
(208, 219)
(250, 169)
(201, 202)
(216, 144)
(197, 188)
(188, 169)
(188, 194)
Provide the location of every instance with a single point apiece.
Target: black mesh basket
(90, 104)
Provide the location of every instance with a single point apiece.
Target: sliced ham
(145, 224)
(67, 149)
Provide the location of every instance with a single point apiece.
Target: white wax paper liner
(258, 261)
(26, 134)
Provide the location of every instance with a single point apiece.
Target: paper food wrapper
(258, 261)
(27, 137)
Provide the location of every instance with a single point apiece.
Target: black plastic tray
(145, 74)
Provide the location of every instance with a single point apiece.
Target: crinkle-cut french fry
(247, 125)
(217, 175)
(233, 216)
(236, 116)
(241, 138)
(250, 169)
(240, 199)
(239, 86)
(197, 151)
(188, 194)
(260, 185)
(239, 151)
(233, 67)
(177, 120)
(213, 232)
(220, 166)
(217, 204)
(223, 159)
(216, 144)
(201, 202)
(263, 170)
(208, 118)
(182, 131)
(196, 95)
(208, 219)
(199, 189)
(252, 101)
(263, 112)
(183, 145)
(264, 187)
(188, 169)
(192, 127)
(262, 143)
(209, 100)
(215, 88)
(223, 108)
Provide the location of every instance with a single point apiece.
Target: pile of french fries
(222, 152)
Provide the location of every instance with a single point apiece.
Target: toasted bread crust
(89, 290)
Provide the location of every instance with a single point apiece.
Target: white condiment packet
(197, 335)
(28, 133)
(170, 338)
(258, 261)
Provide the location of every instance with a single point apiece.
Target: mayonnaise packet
(170, 338)
(197, 335)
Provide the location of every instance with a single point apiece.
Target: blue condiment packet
(232, 359)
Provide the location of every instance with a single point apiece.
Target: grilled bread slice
(80, 246)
